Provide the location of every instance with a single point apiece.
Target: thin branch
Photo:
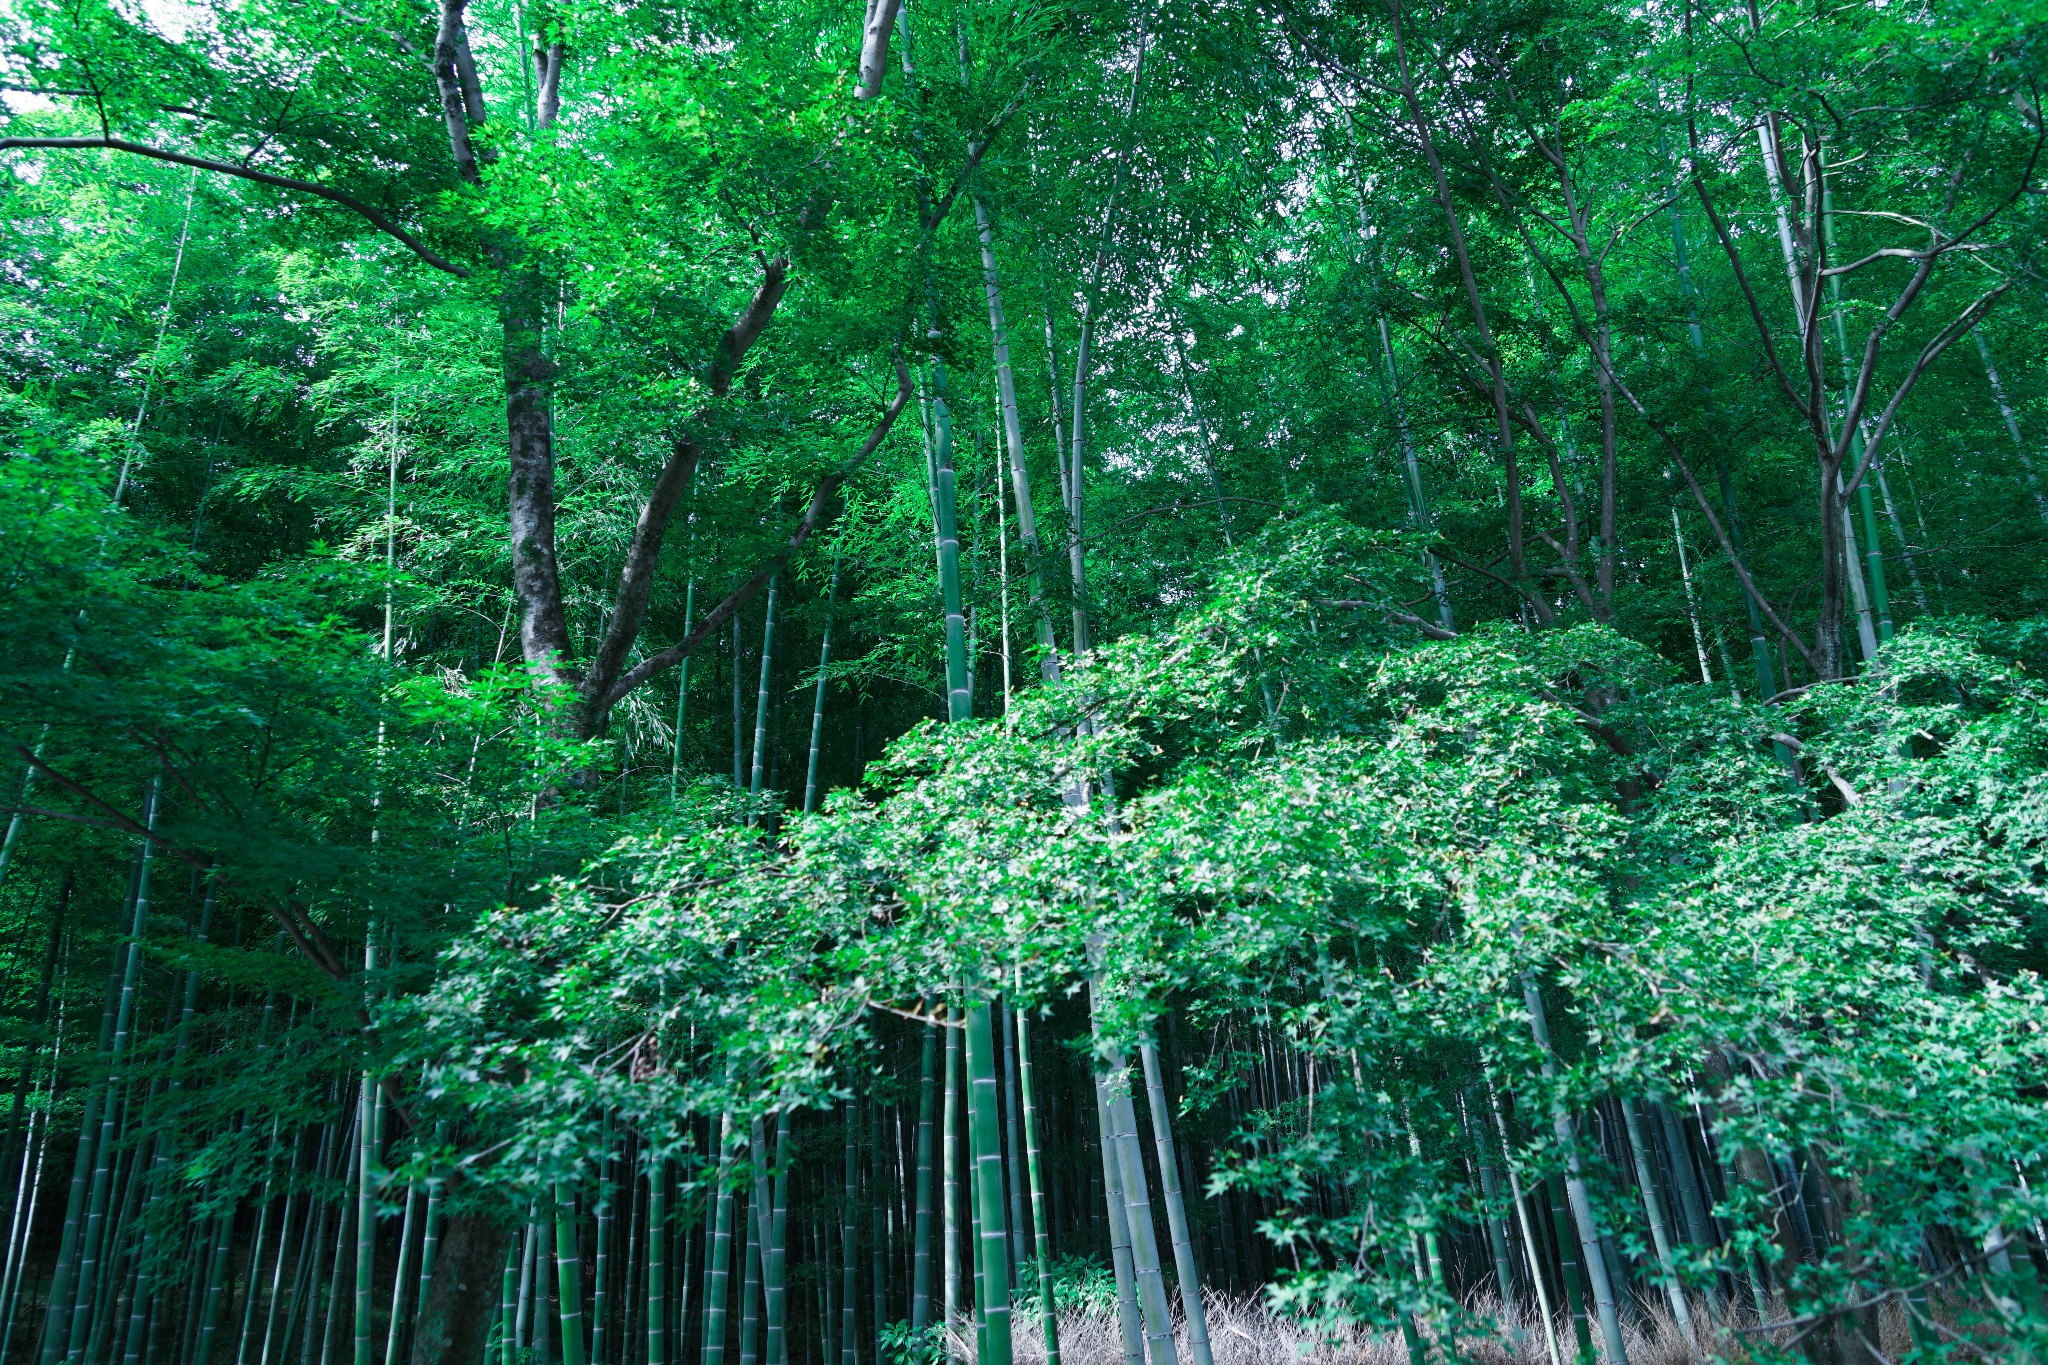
(636, 575)
(334, 196)
(815, 515)
(1941, 341)
(1756, 312)
(976, 149)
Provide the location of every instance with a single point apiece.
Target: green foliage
(253, 569)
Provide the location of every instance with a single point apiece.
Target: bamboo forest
(1023, 682)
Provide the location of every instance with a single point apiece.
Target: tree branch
(1941, 341)
(815, 515)
(289, 916)
(1756, 312)
(636, 576)
(975, 151)
(333, 196)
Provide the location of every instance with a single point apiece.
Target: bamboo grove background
(1171, 683)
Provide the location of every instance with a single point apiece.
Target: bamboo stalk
(750, 1282)
(508, 1307)
(395, 1322)
(818, 696)
(369, 1109)
(61, 1295)
(1531, 1239)
(718, 1252)
(849, 1263)
(36, 1142)
(523, 1306)
(569, 1277)
(82, 1318)
(1129, 1324)
(1192, 1308)
(1147, 1272)
(994, 1258)
(959, 690)
(761, 693)
(600, 1291)
(657, 1261)
(921, 1233)
(430, 1242)
(215, 1288)
(1653, 1205)
(949, 1184)
(2012, 426)
(775, 1268)
(675, 757)
(1041, 1229)
(1003, 1021)
(1575, 1188)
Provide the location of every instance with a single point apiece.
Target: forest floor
(1245, 1332)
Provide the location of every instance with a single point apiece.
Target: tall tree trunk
(452, 1326)
(1013, 447)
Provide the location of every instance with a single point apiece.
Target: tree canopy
(764, 680)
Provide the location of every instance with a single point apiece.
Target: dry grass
(1245, 1332)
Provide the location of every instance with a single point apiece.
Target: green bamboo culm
(366, 1215)
(818, 697)
(775, 1244)
(959, 695)
(508, 1306)
(752, 1231)
(84, 1294)
(368, 1111)
(398, 1277)
(994, 1252)
(921, 1225)
(1176, 1209)
(569, 1276)
(718, 1261)
(1594, 1261)
(657, 1262)
(949, 1173)
(675, 759)
(600, 1280)
(761, 693)
(1129, 1326)
(1147, 1273)
(1653, 1205)
(849, 1264)
(1041, 1228)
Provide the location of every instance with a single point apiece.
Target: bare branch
(636, 576)
(1941, 341)
(1756, 312)
(975, 151)
(815, 515)
(334, 196)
